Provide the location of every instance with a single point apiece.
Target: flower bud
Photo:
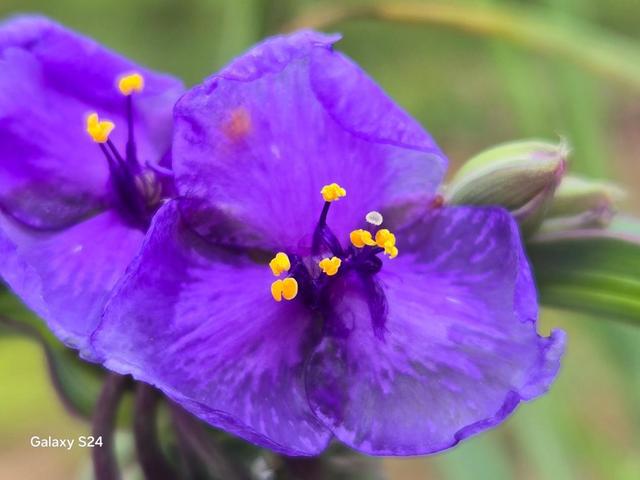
(582, 203)
(520, 176)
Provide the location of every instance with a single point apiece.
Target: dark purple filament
(316, 293)
(136, 193)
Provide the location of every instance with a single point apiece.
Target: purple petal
(254, 145)
(200, 324)
(274, 54)
(459, 349)
(51, 173)
(66, 277)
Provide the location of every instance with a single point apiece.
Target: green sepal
(520, 176)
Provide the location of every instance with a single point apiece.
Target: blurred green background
(471, 90)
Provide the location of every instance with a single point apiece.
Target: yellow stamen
(97, 129)
(330, 266)
(360, 238)
(332, 192)
(279, 264)
(276, 290)
(387, 240)
(384, 236)
(128, 84)
(391, 250)
(287, 289)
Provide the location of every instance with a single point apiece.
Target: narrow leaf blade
(591, 271)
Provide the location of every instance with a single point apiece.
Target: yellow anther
(387, 240)
(391, 250)
(330, 266)
(359, 238)
(384, 236)
(97, 129)
(128, 84)
(279, 264)
(332, 192)
(287, 289)
(276, 290)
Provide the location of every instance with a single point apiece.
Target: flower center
(305, 276)
(136, 189)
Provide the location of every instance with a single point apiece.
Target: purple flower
(73, 211)
(287, 320)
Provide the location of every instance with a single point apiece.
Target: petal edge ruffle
(66, 277)
(252, 150)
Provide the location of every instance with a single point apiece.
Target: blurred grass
(470, 93)
(29, 406)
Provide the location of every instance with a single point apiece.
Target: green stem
(152, 459)
(589, 47)
(105, 465)
(196, 444)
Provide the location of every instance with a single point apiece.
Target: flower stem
(152, 460)
(303, 468)
(592, 48)
(105, 466)
(193, 440)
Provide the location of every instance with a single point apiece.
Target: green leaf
(77, 383)
(591, 271)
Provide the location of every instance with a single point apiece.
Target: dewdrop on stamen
(374, 218)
